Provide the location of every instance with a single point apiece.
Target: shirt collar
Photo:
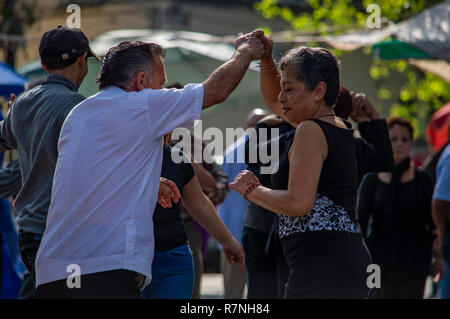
(113, 88)
(53, 78)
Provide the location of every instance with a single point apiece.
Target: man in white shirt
(98, 241)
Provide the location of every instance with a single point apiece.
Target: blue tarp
(12, 269)
(10, 81)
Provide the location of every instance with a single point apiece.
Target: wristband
(250, 188)
(264, 69)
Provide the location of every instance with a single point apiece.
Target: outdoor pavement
(212, 287)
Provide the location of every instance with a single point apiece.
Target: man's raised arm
(224, 80)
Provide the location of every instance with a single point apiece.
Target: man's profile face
(158, 75)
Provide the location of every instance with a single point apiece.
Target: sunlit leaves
(420, 96)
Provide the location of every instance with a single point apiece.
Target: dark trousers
(114, 284)
(267, 270)
(28, 246)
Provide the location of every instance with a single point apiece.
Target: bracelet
(250, 188)
(264, 69)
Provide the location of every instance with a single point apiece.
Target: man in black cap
(33, 124)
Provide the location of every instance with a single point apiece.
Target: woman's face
(297, 102)
(401, 142)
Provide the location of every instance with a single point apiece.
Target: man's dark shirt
(32, 126)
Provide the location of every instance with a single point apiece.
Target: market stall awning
(429, 31)
(10, 81)
(395, 49)
(440, 68)
(424, 40)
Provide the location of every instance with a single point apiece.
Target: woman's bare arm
(307, 154)
(203, 211)
(206, 179)
(270, 78)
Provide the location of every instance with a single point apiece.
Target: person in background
(373, 149)
(441, 218)
(12, 269)
(214, 183)
(233, 209)
(33, 124)
(429, 167)
(431, 162)
(264, 259)
(394, 212)
(172, 267)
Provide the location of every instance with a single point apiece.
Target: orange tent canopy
(438, 127)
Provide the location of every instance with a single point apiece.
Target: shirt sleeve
(373, 150)
(174, 108)
(7, 139)
(442, 188)
(10, 179)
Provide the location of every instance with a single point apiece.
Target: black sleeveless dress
(325, 251)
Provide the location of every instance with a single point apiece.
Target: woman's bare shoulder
(309, 135)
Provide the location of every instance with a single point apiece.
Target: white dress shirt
(107, 179)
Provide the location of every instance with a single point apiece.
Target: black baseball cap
(65, 43)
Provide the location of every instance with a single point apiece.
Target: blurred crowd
(92, 182)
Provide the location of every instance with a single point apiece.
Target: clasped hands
(256, 44)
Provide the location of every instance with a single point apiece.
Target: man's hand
(168, 192)
(363, 110)
(251, 44)
(267, 56)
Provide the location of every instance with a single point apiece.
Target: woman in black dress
(397, 206)
(172, 267)
(314, 190)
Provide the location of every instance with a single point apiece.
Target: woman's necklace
(325, 115)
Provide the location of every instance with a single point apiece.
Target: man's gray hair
(125, 60)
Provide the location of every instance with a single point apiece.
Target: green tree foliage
(422, 94)
(14, 16)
